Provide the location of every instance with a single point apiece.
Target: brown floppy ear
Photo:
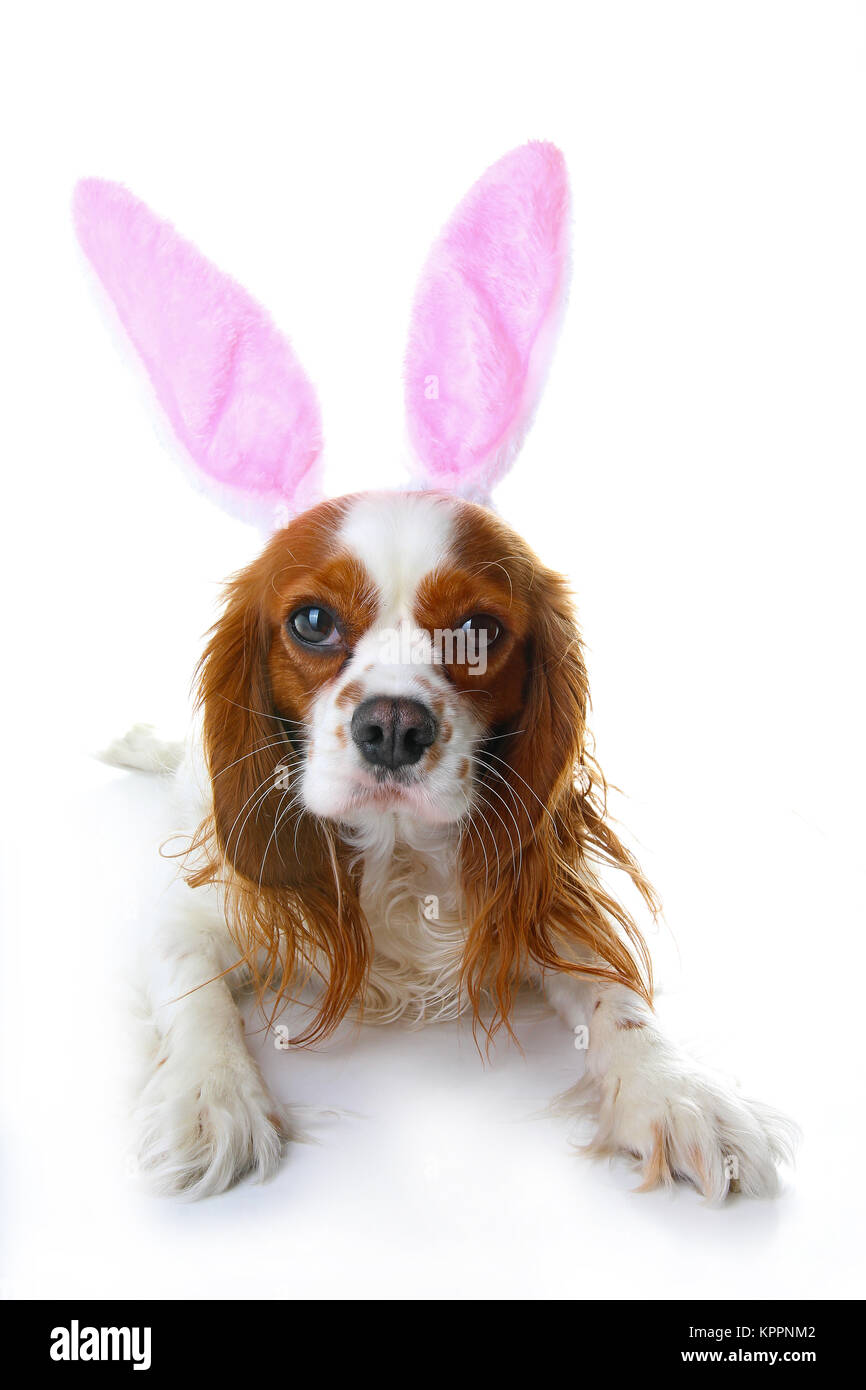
(290, 900)
(252, 758)
(544, 755)
(528, 872)
(527, 769)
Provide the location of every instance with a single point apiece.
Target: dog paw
(198, 1136)
(144, 751)
(683, 1124)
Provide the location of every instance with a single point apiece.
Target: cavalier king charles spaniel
(392, 808)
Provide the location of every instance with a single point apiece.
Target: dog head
(399, 654)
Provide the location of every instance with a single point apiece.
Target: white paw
(199, 1136)
(143, 750)
(683, 1124)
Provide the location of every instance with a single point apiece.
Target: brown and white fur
(310, 870)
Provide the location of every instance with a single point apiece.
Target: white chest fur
(410, 897)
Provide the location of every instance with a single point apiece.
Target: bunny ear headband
(481, 335)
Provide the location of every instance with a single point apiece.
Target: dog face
(389, 654)
(428, 641)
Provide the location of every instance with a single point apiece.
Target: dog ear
(484, 322)
(290, 899)
(540, 760)
(228, 381)
(528, 868)
(252, 759)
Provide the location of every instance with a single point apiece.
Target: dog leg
(205, 1117)
(652, 1101)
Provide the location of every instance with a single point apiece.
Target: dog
(391, 805)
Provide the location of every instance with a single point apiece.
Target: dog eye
(483, 623)
(315, 627)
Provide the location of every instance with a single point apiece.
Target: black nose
(393, 733)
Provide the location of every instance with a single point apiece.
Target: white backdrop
(696, 468)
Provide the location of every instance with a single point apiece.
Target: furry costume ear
(484, 322)
(228, 381)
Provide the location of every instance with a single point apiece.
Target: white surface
(696, 468)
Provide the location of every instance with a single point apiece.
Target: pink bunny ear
(228, 381)
(484, 321)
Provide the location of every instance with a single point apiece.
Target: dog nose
(393, 733)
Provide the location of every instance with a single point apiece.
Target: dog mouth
(395, 793)
(379, 798)
(385, 791)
